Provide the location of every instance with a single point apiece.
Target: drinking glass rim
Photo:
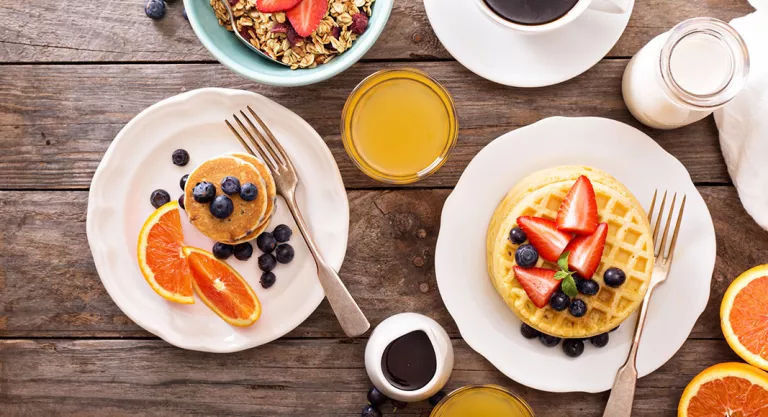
(346, 136)
(501, 389)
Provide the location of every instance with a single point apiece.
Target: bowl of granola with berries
(302, 41)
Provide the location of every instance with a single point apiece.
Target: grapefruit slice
(727, 389)
(161, 257)
(744, 316)
(222, 289)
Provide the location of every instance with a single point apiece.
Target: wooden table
(73, 73)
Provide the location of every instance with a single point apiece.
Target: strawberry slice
(544, 236)
(586, 251)
(307, 16)
(538, 283)
(578, 213)
(272, 6)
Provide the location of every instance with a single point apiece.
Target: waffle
(629, 246)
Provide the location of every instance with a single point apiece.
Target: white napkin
(743, 123)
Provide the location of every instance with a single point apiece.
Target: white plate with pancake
(483, 318)
(139, 161)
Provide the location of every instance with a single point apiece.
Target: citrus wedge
(744, 316)
(161, 257)
(727, 389)
(222, 289)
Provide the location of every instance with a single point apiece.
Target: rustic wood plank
(65, 31)
(324, 377)
(57, 121)
(49, 287)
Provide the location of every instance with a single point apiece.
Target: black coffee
(410, 362)
(531, 12)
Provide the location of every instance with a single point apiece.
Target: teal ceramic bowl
(228, 50)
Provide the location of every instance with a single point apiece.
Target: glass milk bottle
(683, 75)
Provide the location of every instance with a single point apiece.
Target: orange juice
(482, 401)
(399, 126)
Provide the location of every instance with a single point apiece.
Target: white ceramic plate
(516, 59)
(485, 321)
(139, 161)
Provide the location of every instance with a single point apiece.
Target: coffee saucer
(517, 59)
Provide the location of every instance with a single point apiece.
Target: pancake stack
(628, 246)
(249, 218)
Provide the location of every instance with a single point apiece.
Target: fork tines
(660, 253)
(262, 141)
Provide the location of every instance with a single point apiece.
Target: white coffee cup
(606, 6)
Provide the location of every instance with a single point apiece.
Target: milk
(699, 68)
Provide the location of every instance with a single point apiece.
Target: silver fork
(351, 318)
(623, 391)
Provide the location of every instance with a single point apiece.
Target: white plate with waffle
(485, 321)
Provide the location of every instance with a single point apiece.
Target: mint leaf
(569, 286)
(562, 262)
(561, 274)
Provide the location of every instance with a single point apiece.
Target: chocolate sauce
(410, 362)
(531, 12)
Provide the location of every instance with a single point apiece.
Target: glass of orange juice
(399, 125)
(482, 401)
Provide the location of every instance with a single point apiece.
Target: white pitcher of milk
(683, 75)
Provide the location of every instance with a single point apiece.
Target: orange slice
(727, 389)
(744, 316)
(222, 289)
(161, 256)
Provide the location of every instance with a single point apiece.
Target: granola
(273, 34)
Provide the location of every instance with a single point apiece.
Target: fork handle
(623, 391)
(351, 318)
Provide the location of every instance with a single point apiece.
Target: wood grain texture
(49, 287)
(56, 121)
(71, 31)
(324, 377)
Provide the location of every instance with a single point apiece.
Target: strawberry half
(586, 251)
(544, 236)
(578, 212)
(272, 6)
(307, 16)
(538, 283)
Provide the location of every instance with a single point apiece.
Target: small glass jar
(683, 75)
(482, 401)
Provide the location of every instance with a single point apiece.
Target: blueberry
(222, 250)
(230, 185)
(573, 347)
(517, 236)
(526, 256)
(267, 262)
(204, 192)
(433, 400)
(577, 279)
(614, 277)
(180, 157)
(266, 242)
(370, 411)
(548, 341)
(267, 280)
(158, 198)
(243, 251)
(155, 9)
(529, 332)
(577, 308)
(183, 181)
(282, 233)
(181, 202)
(184, 13)
(376, 398)
(614, 329)
(399, 405)
(559, 301)
(249, 192)
(588, 287)
(284, 253)
(600, 340)
(221, 207)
